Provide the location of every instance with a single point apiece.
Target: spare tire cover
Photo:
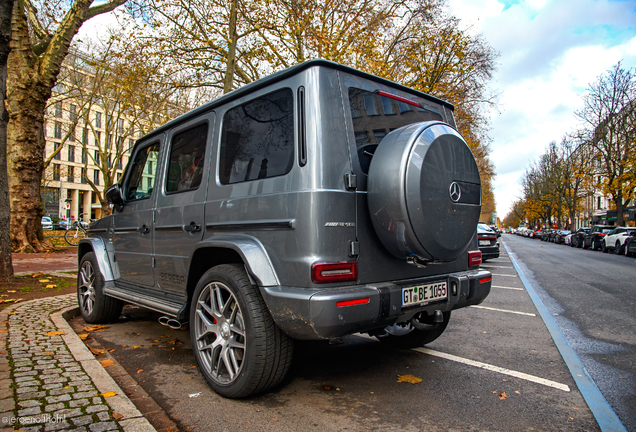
(424, 192)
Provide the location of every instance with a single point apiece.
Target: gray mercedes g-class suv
(314, 203)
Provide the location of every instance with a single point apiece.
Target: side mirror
(113, 196)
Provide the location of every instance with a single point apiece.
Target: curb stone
(34, 357)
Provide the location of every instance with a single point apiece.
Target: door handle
(192, 228)
(143, 229)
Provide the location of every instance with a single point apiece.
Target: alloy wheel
(86, 287)
(220, 333)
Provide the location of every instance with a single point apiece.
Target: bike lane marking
(605, 416)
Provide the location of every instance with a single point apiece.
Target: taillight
(481, 281)
(334, 272)
(474, 258)
(352, 302)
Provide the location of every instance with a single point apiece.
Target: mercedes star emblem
(455, 191)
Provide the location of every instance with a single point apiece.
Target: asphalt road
(592, 297)
(496, 368)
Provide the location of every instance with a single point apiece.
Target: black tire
(585, 244)
(619, 249)
(73, 236)
(95, 306)
(604, 248)
(229, 312)
(406, 337)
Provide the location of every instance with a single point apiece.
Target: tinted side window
(185, 166)
(142, 173)
(257, 139)
(374, 116)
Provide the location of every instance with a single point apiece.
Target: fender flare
(252, 252)
(97, 246)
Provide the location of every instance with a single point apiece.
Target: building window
(110, 162)
(72, 115)
(598, 203)
(131, 142)
(120, 126)
(83, 156)
(96, 177)
(56, 146)
(98, 138)
(118, 176)
(85, 136)
(119, 163)
(71, 136)
(109, 121)
(58, 109)
(71, 174)
(98, 119)
(57, 133)
(109, 141)
(83, 176)
(71, 153)
(96, 157)
(56, 172)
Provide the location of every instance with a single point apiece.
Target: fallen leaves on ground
(174, 342)
(409, 379)
(95, 328)
(95, 351)
(83, 336)
(51, 286)
(137, 346)
(55, 333)
(49, 353)
(11, 291)
(140, 371)
(44, 280)
(117, 416)
(107, 363)
(502, 396)
(109, 394)
(191, 367)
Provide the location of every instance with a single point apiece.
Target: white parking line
(495, 274)
(504, 310)
(493, 368)
(492, 266)
(510, 288)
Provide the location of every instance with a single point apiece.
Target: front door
(179, 219)
(132, 235)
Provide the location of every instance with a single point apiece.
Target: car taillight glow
(474, 258)
(399, 98)
(334, 272)
(484, 280)
(352, 302)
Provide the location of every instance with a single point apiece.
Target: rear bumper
(305, 313)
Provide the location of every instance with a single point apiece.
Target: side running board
(167, 307)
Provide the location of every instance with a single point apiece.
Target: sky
(550, 51)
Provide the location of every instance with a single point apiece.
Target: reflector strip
(485, 280)
(398, 98)
(352, 302)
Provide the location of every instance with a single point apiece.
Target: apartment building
(67, 192)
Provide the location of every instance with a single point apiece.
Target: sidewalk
(50, 380)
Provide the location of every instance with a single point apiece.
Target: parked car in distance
(62, 224)
(615, 240)
(594, 239)
(279, 211)
(487, 242)
(495, 229)
(567, 240)
(559, 236)
(47, 225)
(630, 246)
(577, 238)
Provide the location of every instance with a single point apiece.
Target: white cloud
(550, 51)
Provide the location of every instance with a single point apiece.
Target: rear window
(257, 139)
(374, 116)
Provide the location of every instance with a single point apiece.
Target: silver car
(315, 203)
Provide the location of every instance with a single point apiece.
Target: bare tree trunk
(6, 265)
(231, 49)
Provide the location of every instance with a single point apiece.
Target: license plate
(484, 242)
(422, 294)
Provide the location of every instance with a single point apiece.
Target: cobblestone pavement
(50, 381)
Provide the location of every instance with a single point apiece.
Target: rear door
(132, 234)
(179, 218)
